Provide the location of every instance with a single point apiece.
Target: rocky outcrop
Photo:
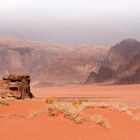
(104, 73)
(133, 78)
(129, 73)
(15, 85)
(122, 52)
(92, 78)
(122, 64)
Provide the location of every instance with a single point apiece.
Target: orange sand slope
(16, 125)
(27, 120)
(128, 94)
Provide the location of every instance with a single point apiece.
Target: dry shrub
(52, 111)
(100, 121)
(111, 106)
(73, 111)
(49, 100)
(74, 115)
(122, 108)
(62, 107)
(4, 102)
(70, 112)
(80, 101)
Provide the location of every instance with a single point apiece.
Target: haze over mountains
(50, 64)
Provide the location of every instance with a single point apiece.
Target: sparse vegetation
(49, 100)
(122, 108)
(70, 112)
(110, 106)
(80, 101)
(74, 115)
(52, 111)
(4, 102)
(101, 121)
(73, 111)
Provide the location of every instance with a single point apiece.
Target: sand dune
(28, 120)
(15, 124)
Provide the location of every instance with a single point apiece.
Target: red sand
(42, 127)
(128, 94)
(14, 124)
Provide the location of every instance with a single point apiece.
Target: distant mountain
(122, 64)
(50, 63)
(122, 52)
(129, 72)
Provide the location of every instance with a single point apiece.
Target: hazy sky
(71, 21)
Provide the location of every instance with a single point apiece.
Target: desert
(69, 97)
(116, 110)
(69, 70)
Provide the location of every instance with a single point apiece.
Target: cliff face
(104, 73)
(131, 78)
(129, 72)
(122, 52)
(49, 64)
(58, 64)
(92, 78)
(122, 64)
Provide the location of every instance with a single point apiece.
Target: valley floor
(27, 120)
(128, 94)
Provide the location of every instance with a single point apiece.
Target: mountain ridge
(50, 63)
(124, 70)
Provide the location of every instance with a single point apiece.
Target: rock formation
(92, 78)
(15, 85)
(122, 52)
(104, 73)
(122, 64)
(129, 73)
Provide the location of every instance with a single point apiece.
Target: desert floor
(128, 94)
(27, 120)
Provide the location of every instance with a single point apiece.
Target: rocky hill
(122, 52)
(102, 75)
(122, 64)
(129, 72)
(50, 63)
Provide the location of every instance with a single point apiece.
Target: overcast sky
(71, 21)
